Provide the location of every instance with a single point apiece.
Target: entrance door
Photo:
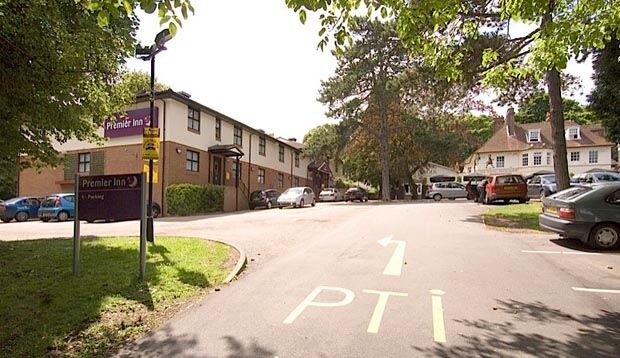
(217, 170)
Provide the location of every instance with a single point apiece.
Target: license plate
(551, 210)
(511, 188)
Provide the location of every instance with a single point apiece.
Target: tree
(535, 108)
(437, 30)
(605, 97)
(322, 143)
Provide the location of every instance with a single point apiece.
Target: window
(593, 157)
(238, 136)
(297, 159)
(83, 162)
(534, 135)
(548, 158)
(218, 129)
(525, 158)
(192, 160)
(193, 119)
(281, 153)
(499, 161)
(261, 176)
(262, 143)
(280, 180)
(573, 133)
(296, 181)
(537, 158)
(574, 156)
(236, 173)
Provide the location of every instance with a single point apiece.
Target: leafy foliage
(605, 98)
(8, 177)
(322, 143)
(535, 108)
(191, 199)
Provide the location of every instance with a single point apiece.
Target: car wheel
(21, 216)
(6, 220)
(437, 197)
(301, 203)
(506, 201)
(269, 205)
(605, 236)
(313, 203)
(251, 208)
(280, 207)
(63, 216)
(522, 201)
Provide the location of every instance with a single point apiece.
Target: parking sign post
(143, 230)
(76, 229)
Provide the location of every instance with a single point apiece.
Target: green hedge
(191, 199)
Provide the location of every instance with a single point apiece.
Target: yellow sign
(150, 143)
(145, 169)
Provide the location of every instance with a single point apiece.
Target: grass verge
(514, 216)
(47, 311)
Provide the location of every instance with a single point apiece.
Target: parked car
(596, 177)
(588, 213)
(449, 190)
(57, 206)
(264, 199)
(506, 187)
(20, 209)
(353, 194)
(330, 194)
(297, 197)
(541, 186)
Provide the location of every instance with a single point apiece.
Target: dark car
(57, 206)
(588, 213)
(20, 209)
(506, 187)
(264, 199)
(595, 177)
(541, 186)
(353, 194)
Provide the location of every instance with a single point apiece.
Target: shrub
(191, 199)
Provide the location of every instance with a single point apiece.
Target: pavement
(419, 279)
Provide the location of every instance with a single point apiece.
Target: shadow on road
(236, 349)
(576, 244)
(166, 346)
(593, 336)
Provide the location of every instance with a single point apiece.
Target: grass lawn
(44, 310)
(519, 216)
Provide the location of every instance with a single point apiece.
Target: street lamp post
(148, 54)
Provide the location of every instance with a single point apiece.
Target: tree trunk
(384, 144)
(560, 161)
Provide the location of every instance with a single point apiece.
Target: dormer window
(572, 133)
(533, 135)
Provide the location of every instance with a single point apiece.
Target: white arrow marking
(395, 265)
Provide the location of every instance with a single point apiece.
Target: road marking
(559, 252)
(395, 265)
(439, 330)
(598, 290)
(308, 301)
(377, 314)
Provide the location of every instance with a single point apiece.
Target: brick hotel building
(198, 145)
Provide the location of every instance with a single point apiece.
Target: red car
(506, 187)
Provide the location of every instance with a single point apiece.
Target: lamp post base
(149, 230)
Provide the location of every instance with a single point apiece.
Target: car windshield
(607, 177)
(293, 191)
(549, 179)
(572, 193)
(13, 201)
(49, 202)
(256, 195)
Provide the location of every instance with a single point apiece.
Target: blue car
(20, 209)
(58, 206)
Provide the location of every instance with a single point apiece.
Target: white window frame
(84, 160)
(498, 161)
(525, 159)
(574, 157)
(593, 157)
(548, 158)
(573, 133)
(261, 176)
(537, 155)
(529, 136)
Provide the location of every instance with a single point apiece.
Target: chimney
(510, 122)
(292, 139)
(185, 94)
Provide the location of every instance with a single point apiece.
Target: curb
(243, 260)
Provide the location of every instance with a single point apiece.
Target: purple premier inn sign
(130, 124)
(110, 197)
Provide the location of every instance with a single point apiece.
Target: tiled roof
(591, 135)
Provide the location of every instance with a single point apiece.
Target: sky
(257, 63)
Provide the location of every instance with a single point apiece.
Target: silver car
(330, 194)
(449, 189)
(297, 197)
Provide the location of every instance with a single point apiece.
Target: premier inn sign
(110, 197)
(132, 123)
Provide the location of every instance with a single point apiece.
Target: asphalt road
(386, 280)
